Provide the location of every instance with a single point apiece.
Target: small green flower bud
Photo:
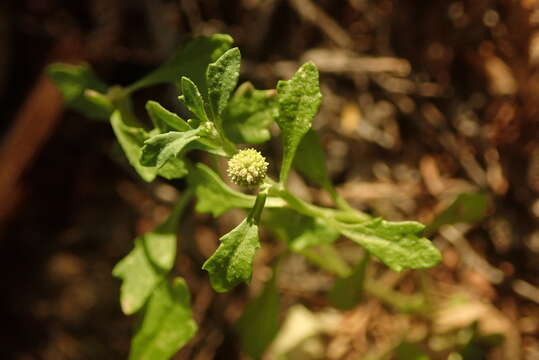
(247, 168)
(208, 129)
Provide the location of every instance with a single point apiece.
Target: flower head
(247, 168)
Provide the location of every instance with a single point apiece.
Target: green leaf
(221, 79)
(166, 325)
(99, 105)
(466, 208)
(208, 145)
(299, 99)
(159, 149)
(146, 265)
(138, 272)
(299, 231)
(74, 81)
(409, 351)
(174, 168)
(191, 60)
(131, 140)
(309, 236)
(213, 194)
(347, 291)
(165, 120)
(193, 99)
(249, 114)
(310, 160)
(259, 323)
(232, 262)
(397, 244)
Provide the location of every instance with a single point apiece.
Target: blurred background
(423, 101)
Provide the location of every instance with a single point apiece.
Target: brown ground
(422, 100)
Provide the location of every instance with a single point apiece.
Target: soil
(423, 100)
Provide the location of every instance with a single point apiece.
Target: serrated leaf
(165, 120)
(466, 208)
(146, 265)
(249, 113)
(131, 139)
(232, 262)
(299, 99)
(191, 60)
(159, 149)
(396, 244)
(299, 231)
(167, 323)
(259, 323)
(193, 99)
(347, 291)
(310, 160)
(221, 79)
(73, 81)
(215, 197)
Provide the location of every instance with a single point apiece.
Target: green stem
(120, 100)
(256, 211)
(178, 209)
(343, 205)
(298, 204)
(305, 208)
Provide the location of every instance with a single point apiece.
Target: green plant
(206, 72)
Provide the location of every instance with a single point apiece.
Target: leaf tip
(128, 308)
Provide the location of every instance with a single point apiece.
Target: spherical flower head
(247, 168)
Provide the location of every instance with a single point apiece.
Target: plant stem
(120, 100)
(330, 215)
(256, 211)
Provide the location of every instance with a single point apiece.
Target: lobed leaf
(221, 79)
(167, 323)
(146, 265)
(191, 60)
(259, 323)
(249, 113)
(138, 273)
(131, 139)
(396, 244)
(299, 99)
(73, 82)
(165, 120)
(159, 149)
(232, 262)
(193, 99)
